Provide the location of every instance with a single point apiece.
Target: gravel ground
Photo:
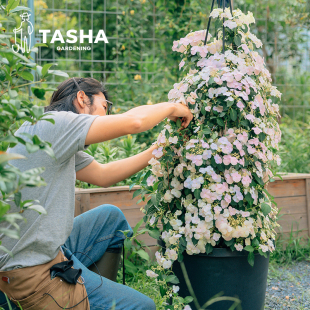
(288, 287)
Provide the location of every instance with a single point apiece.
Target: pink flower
(238, 247)
(256, 130)
(246, 181)
(240, 105)
(227, 159)
(238, 144)
(228, 178)
(197, 160)
(234, 160)
(241, 161)
(251, 150)
(217, 210)
(181, 64)
(250, 117)
(158, 152)
(194, 50)
(205, 193)
(224, 204)
(232, 211)
(236, 177)
(150, 180)
(216, 177)
(218, 159)
(218, 81)
(243, 137)
(216, 236)
(204, 144)
(245, 214)
(245, 48)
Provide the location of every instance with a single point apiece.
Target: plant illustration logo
(25, 35)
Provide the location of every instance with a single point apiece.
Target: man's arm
(105, 175)
(136, 120)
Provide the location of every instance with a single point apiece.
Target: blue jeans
(93, 233)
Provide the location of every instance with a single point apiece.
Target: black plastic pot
(224, 271)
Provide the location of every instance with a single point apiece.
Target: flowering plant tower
(207, 181)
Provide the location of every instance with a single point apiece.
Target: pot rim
(217, 252)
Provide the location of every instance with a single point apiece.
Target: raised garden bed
(292, 196)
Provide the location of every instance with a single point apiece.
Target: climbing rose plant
(207, 182)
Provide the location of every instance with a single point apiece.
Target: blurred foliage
(295, 146)
(16, 74)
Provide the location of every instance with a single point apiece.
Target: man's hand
(183, 112)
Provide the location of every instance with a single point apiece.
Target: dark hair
(62, 98)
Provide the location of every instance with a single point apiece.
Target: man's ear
(81, 96)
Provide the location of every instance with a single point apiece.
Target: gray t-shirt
(42, 235)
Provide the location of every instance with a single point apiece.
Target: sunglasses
(109, 102)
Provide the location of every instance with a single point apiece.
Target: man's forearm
(120, 170)
(151, 115)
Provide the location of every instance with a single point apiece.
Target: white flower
(238, 247)
(151, 274)
(168, 196)
(167, 264)
(230, 24)
(176, 193)
(173, 140)
(175, 288)
(152, 220)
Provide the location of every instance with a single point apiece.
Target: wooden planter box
(292, 196)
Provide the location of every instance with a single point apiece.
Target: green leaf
(249, 248)
(17, 198)
(10, 233)
(58, 73)
(251, 258)
(31, 148)
(209, 248)
(143, 255)
(265, 208)
(154, 233)
(206, 131)
(2, 248)
(4, 208)
(220, 122)
(261, 136)
(38, 92)
(197, 194)
(237, 40)
(37, 208)
(20, 8)
(172, 279)
(26, 75)
(218, 23)
(162, 291)
(188, 299)
(137, 227)
(255, 242)
(136, 193)
(12, 4)
(45, 68)
(249, 198)
(130, 267)
(131, 186)
(9, 156)
(179, 123)
(233, 115)
(230, 242)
